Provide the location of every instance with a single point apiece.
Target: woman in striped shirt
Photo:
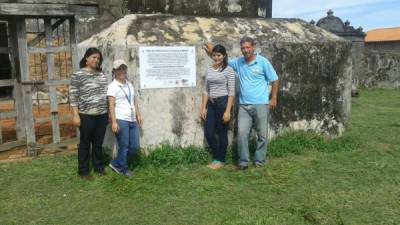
(216, 107)
(88, 97)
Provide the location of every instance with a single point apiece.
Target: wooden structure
(49, 15)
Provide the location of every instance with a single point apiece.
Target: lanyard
(126, 96)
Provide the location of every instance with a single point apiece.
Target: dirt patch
(43, 130)
(43, 127)
(19, 153)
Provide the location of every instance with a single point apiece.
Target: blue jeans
(128, 144)
(249, 115)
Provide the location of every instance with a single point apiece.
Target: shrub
(298, 143)
(167, 155)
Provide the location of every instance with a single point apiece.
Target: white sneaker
(113, 168)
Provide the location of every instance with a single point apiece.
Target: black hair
(221, 49)
(89, 52)
(247, 39)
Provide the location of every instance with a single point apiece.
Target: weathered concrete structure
(335, 25)
(382, 59)
(236, 8)
(314, 67)
(112, 10)
(382, 69)
(109, 12)
(375, 59)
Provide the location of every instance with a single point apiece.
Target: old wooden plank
(5, 50)
(7, 82)
(74, 50)
(73, 41)
(55, 127)
(47, 82)
(70, 2)
(51, 49)
(8, 115)
(22, 49)
(40, 36)
(66, 145)
(52, 89)
(23, 9)
(57, 82)
(1, 134)
(19, 109)
(61, 118)
(17, 90)
(26, 89)
(10, 145)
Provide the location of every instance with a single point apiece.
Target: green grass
(354, 179)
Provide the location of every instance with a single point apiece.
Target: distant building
(335, 25)
(383, 40)
(382, 58)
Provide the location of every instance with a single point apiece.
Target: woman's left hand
(227, 117)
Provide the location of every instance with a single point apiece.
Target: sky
(368, 14)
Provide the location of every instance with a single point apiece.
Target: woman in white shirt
(125, 117)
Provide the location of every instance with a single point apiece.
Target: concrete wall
(381, 69)
(314, 67)
(357, 52)
(389, 46)
(237, 8)
(110, 11)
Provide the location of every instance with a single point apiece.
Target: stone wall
(237, 8)
(314, 67)
(381, 69)
(357, 52)
(110, 11)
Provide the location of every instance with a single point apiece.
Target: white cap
(118, 62)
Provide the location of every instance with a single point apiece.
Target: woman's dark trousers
(92, 131)
(215, 130)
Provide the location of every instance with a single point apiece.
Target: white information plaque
(167, 67)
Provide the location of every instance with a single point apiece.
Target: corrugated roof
(383, 35)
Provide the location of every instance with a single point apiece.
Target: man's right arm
(208, 47)
(233, 63)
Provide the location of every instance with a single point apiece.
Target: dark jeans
(92, 130)
(215, 126)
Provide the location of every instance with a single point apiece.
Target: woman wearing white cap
(125, 117)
